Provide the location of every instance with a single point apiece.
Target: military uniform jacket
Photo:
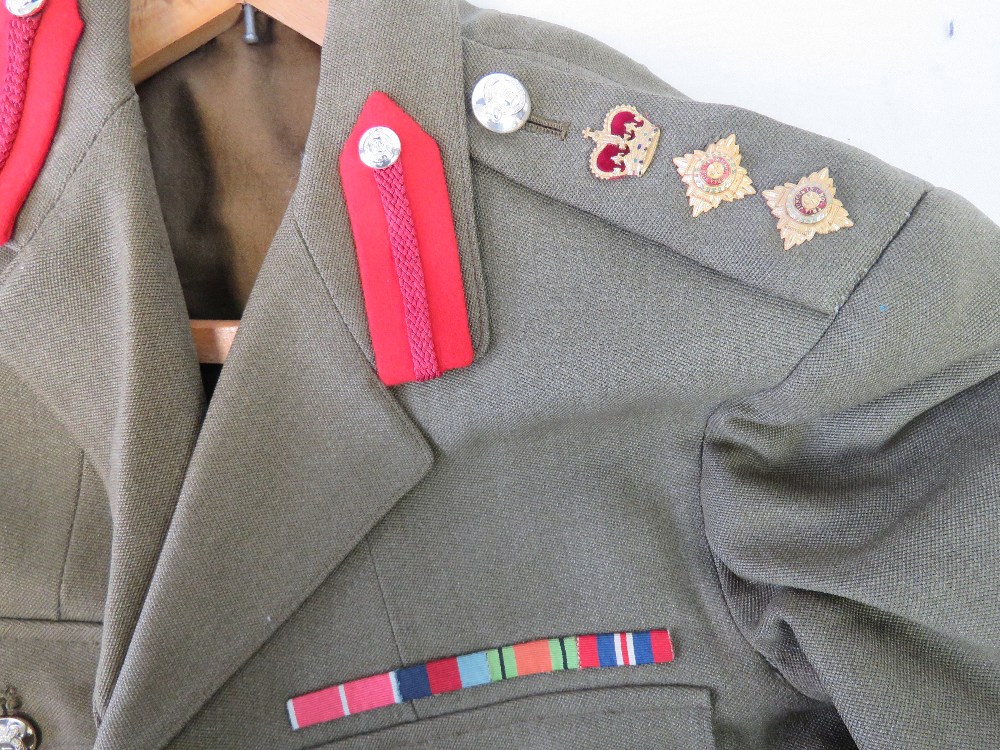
(785, 458)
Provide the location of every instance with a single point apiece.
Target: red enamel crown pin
(625, 146)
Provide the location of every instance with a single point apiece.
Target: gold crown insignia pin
(625, 146)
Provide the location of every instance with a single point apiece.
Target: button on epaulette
(501, 103)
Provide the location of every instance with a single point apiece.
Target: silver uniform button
(17, 733)
(24, 8)
(379, 147)
(501, 103)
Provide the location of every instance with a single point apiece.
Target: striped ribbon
(480, 668)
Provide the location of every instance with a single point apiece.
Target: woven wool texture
(788, 459)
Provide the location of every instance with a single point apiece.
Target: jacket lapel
(301, 453)
(92, 317)
(302, 450)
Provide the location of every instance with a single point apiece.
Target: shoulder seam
(840, 305)
(867, 269)
(713, 558)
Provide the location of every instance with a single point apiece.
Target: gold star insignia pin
(714, 175)
(807, 208)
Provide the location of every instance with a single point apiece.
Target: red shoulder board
(407, 252)
(37, 52)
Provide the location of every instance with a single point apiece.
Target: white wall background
(915, 82)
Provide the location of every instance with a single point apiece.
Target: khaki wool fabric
(787, 458)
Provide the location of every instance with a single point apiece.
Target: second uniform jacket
(785, 459)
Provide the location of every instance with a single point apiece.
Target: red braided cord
(405, 254)
(20, 36)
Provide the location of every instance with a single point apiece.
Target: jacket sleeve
(854, 509)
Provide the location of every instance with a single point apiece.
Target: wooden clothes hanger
(164, 31)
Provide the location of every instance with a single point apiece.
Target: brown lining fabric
(226, 128)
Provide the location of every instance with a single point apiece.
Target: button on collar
(501, 103)
(379, 147)
(24, 7)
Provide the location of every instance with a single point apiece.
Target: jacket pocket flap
(626, 718)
